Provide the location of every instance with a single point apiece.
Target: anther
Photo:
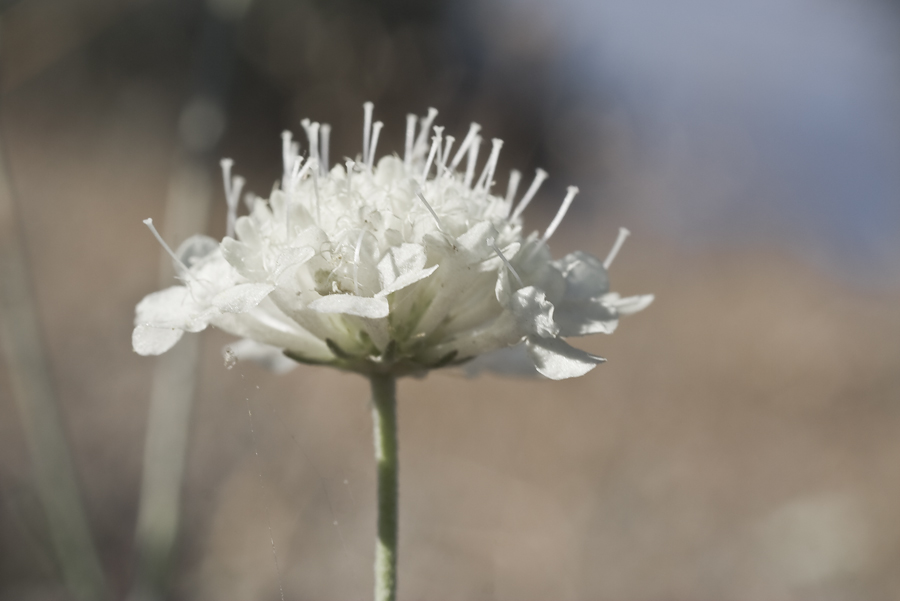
(620, 240)
(571, 191)
(539, 177)
(493, 244)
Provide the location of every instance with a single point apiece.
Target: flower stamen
(493, 244)
(471, 159)
(474, 128)
(233, 187)
(620, 240)
(487, 176)
(149, 223)
(421, 144)
(571, 191)
(376, 131)
(435, 145)
(324, 141)
(539, 176)
(437, 219)
(410, 135)
(368, 107)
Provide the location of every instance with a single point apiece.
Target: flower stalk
(384, 421)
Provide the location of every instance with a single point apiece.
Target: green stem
(384, 418)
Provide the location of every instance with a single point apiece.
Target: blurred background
(740, 444)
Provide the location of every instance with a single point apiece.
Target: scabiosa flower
(392, 267)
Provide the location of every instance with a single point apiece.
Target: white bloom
(398, 266)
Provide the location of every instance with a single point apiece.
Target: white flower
(397, 267)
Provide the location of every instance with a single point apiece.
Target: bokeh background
(741, 443)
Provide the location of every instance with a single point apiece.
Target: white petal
(241, 298)
(162, 307)
(407, 279)
(511, 361)
(585, 276)
(399, 261)
(266, 355)
(533, 312)
(579, 318)
(148, 340)
(352, 305)
(628, 305)
(557, 360)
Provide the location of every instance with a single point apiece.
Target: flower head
(396, 266)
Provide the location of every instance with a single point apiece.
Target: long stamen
(233, 187)
(324, 141)
(515, 176)
(539, 177)
(376, 131)
(356, 262)
(442, 162)
(474, 128)
(410, 134)
(367, 130)
(437, 219)
(421, 144)
(287, 156)
(571, 191)
(350, 163)
(487, 176)
(312, 134)
(623, 233)
(471, 160)
(493, 244)
(435, 145)
(149, 223)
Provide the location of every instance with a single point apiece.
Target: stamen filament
(515, 176)
(442, 163)
(471, 160)
(474, 128)
(435, 145)
(493, 244)
(421, 144)
(324, 142)
(367, 130)
(149, 223)
(571, 191)
(376, 131)
(437, 219)
(539, 177)
(620, 240)
(410, 134)
(487, 175)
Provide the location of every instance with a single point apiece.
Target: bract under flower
(397, 267)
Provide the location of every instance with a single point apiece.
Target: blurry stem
(171, 402)
(384, 420)
(42, 423)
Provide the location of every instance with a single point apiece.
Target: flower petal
(579, 318)
(557, 360)
(629, 304)
(585, 276)
(241, 298)
(407, 279)
(533, 312)
(148, 340)
(351, 304)
(399, 261)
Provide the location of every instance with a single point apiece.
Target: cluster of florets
(396, 266)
